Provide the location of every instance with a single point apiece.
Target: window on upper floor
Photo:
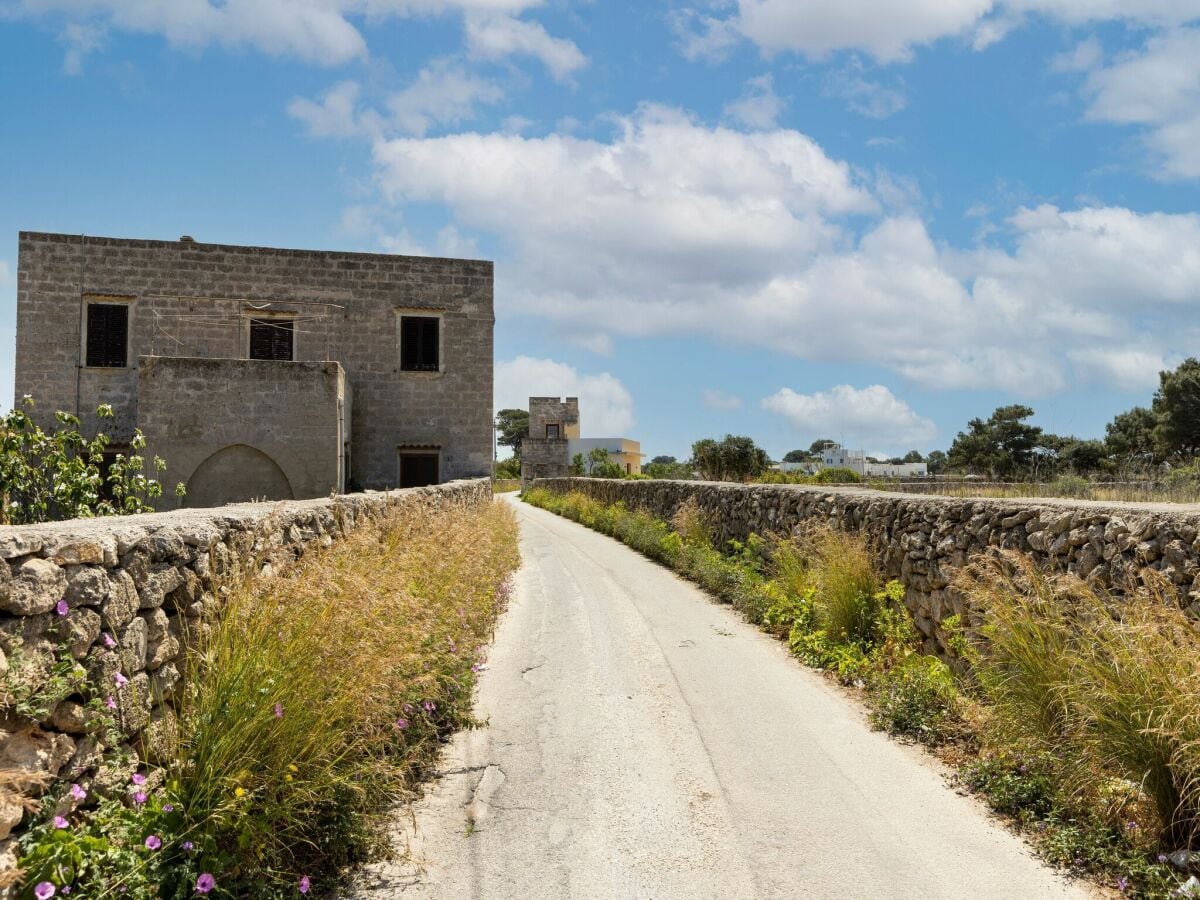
(420, 343)
(552, 432)
(272, 339)
(107, 335)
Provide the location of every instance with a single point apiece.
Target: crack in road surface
(655, 758)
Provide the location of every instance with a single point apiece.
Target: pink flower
(205, 883)
(121, 680)
(108, 640)
(168, 807)
(66, 889)
(139, 797)
(188, 845)
(279, 710)
(402, 724)
(429, 706)
(44, 890)
(138, 778)
(305, 885)
(78, 793)
(61, 608)
(60, 822)
(110, 702)
(153, 842)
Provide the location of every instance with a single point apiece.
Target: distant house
(554, 440)
(835, 456)
(263, 373)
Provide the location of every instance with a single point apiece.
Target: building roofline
(151, 244)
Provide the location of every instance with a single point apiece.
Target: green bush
(917, 698)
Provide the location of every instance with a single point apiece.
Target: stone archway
(235, 474)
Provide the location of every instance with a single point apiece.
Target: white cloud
(758, 106)
(670, 228)
(316, 31)
(717, 399)
(889, 31)
(497, 37)
(1158, 88)
(857, 415)
(1083, 57)
(862, 95)
(442, 94)
(605, 406)
(81, 39)
(597, 342)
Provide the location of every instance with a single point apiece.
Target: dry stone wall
(116, 596)
(922, 541)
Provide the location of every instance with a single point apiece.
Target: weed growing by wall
(316, 699)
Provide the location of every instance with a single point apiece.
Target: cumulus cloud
(858, 415)
(497, 37)
(862, 95)
(605, 406)
(1157, 88)
(718, 399)
(671, 227)
(758, 106)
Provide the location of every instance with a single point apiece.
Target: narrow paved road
(645, 742)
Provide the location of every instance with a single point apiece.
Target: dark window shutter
(418, 469)
(419, 343)
(107, 335)
(271, 339)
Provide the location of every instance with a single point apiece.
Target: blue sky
(869, 220)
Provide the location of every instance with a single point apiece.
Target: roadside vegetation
(1076, 716)
(314, 703)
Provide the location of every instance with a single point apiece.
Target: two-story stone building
(263, 373)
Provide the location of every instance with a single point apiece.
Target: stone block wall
(922, 540)
(117, 595)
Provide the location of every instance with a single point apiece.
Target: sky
(869, 220)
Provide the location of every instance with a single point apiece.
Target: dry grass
(1107, 686)
(323, 691)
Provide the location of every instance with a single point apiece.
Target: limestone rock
(36, 586)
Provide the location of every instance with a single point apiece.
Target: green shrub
(837, 475)
(1071, 486)
(917, 698)
(843, 575)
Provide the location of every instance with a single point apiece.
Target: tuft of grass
(1108, 685)
(843, 575)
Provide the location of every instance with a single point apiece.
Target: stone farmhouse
(263, 373)
(553, 441)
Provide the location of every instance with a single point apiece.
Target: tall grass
(312, 705)
(1108, 686)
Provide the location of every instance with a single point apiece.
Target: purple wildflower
(66, 889)
(138, 778)
(279, 710)
(188, 845)
(305, 885)
(121, 680)
(108, 640)
(1122, 884)
(110, 702)
(139, 797)
(429, 706)
(153, 842)
(44, 890)
(78, 793)
(402, 724)
(62, 608)
(476, 667)
(205, 883)
(60, 822)
(168, 807)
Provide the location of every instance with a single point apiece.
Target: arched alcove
(235, 474)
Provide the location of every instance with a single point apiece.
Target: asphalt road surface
(645, 742)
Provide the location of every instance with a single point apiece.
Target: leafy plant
(60, 475)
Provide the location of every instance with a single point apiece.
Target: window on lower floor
(272, 339)
(418, 469)
(107, 335)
